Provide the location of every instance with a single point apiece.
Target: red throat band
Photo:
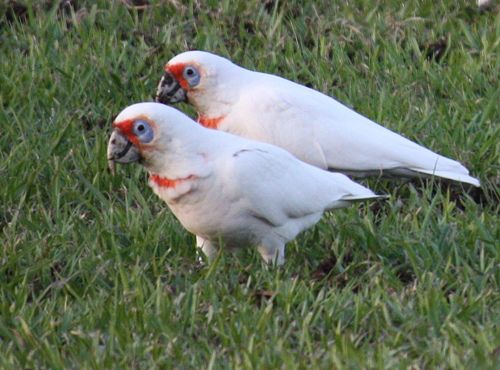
(169, 183)
(210, 122)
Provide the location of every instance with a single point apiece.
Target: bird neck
(218, 97)
(182, 155)
(211, 107)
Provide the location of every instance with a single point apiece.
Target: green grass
(96, 273)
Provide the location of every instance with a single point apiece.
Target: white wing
(327, 134)
(276, 187)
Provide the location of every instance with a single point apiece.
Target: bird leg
(272, 252)
(207, 247)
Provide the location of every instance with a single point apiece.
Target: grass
(96, 273)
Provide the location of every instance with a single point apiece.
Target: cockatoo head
(194, 76)
(144, 132)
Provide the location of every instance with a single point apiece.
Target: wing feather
(329, 135)
(278, 187)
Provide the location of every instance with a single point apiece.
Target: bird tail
(456, 176)
(360, 198)
(348, 200)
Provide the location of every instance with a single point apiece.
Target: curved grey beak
(121, 150)
(169, 91)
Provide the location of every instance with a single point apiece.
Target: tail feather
(359, 198)
(348, 200)
(462, 177)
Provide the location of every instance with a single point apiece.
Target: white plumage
(223, 187)
(314, 127)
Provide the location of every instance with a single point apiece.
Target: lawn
(95, 272)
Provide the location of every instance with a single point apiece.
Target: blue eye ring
(143, 131)
(191, 75)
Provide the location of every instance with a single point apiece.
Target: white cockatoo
(227, 188)
(312, 126)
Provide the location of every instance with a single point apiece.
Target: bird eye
(192, 76)
(143, 131)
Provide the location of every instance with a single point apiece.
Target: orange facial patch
(127, 128)
(169, 183)
(177, 71)
(210, 122)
